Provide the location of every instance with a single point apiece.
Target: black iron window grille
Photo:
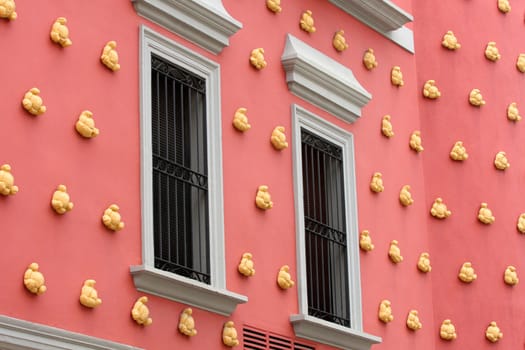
(180, 182)
(325, 229)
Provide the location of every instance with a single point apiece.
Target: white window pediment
(322, 81)
(383, 16)
(203, 22)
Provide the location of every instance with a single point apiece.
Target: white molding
(146, 277)
(322, 81)
(186, 291)
(203, 22)
(306, 326)
(383, 16)
(16, 334)
(321, 331)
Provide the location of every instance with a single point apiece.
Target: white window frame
(306, 326)
(214, 297)
(16, 334)
(203, 22)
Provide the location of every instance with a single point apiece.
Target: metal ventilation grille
(256, 339)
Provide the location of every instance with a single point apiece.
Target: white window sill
(324, 332)
(187, 291)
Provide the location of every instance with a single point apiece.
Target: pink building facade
(185, 179)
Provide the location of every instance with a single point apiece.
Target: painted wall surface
(45, 151)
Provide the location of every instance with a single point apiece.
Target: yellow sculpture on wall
(278, 138)
(386, 126)
(485, 214)
(475, 98)
(458, 152)
(369, 59)
(493, 333)
(376, 184)
(307, 22)
(263, 200)
(85, 125)
(466, 273)
(257, 58)
(60, 33)
(415, 141)
(520, 63)
(500, 161)
(423, 264)
(394, 252)
(33, 103)
(413, 321)
(439, 209)
(89, 295)
(274, 5)
(513, 113)
(430, 90)
(246, 266)
(61, 201)
(240, 120)
(112, 219)
(405, 197)
(492, 52)
(34, 280)
(504, 6)
(7, 181)
(511, 276)
(339, 41)
(521, 223)
(140, 312)
(385, 311)
(365, 241)
(7, 9)
(229, 334)
(109, 56)
(396, 76)
(450, 41)
(447, 330)
(187, 323)
(284, 279)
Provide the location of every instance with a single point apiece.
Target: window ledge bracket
(16, 334)
(322, 81)
(383, 16)
(324, 332)
(205, 23)
(186, 291)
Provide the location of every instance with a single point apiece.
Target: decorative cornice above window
(324, 332)
(17, 334)
(384, 17)
(320, 80)
(203, 22)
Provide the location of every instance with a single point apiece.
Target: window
(180, 175)
(325, 229)
(327, 241)
(182, 210)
